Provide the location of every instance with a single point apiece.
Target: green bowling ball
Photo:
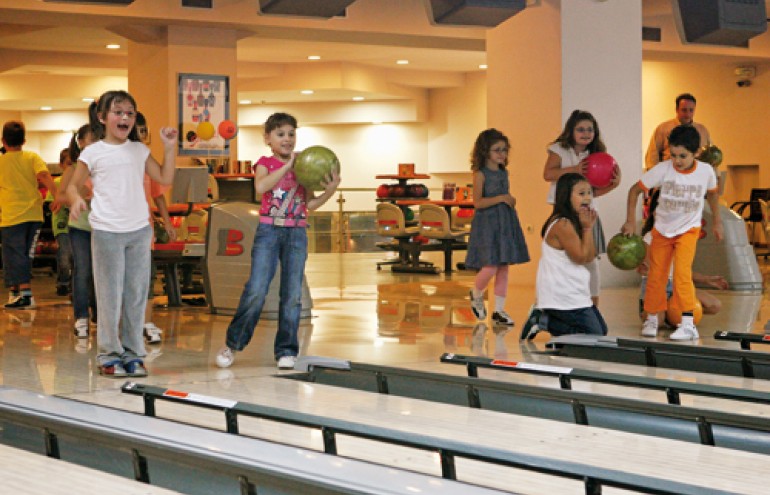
(711, 154)
(409, 215)
(312, 166)
(626, 252)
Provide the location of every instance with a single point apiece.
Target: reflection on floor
(359, 314)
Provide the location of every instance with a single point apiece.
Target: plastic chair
(754, 216)
(435, 224)
(391, 222)
(765, 208)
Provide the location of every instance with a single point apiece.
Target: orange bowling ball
(674, 314)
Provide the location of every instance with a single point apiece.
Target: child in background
(121, 231)
(496, 239)
(280, 238)
(710, 304)
(59, 221)
(563, 278)
(567, 154)
(683, 183)
(21, 212)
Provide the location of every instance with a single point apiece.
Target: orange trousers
(680, 249)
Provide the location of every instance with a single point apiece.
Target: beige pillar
(155, 61)
(548, 60)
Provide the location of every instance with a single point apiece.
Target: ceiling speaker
(720, 22)
(488, 13)
(305, 8)
(95, 2)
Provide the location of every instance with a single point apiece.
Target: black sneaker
(22, 302)
(62, 290)
(502, 318)
(531, 326)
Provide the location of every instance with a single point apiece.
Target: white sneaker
(287, 362)
(152, 333)
(225, 357)
(502, 318)
(81, 328)
(649, 329)
(685, 331)
(477, 305)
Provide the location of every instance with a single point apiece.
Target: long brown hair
(483, 144)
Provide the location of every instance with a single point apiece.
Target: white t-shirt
(568, 159)
(680, 206)
(117, 173)
(561, 283)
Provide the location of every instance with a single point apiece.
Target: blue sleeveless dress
(496, 237)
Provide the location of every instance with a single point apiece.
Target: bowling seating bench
(171, 255)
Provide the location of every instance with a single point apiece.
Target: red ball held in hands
(599, 169)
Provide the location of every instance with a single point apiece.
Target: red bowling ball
(599, 169)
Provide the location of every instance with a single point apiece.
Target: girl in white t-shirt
(563, 279)
(121, 231)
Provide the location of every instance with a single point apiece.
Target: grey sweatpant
(121, 262)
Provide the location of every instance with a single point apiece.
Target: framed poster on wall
(203, 103)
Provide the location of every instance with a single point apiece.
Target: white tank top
(561, 283)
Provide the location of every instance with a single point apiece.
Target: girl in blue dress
(496, 239)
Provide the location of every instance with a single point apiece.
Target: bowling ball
(413, 190)
(599, 169)
(383, 190)
(397, 191)
(205, 130)
(312, 166)
(227, 129)
(420, 191)
(161, 236)
(674, 314)
(711, 154)
(409, 215)
(626, 252)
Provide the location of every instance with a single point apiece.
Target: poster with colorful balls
(204, 103)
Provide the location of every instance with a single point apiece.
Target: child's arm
(629, 228)
(265, 180)
(713, 199)
(77, 203)
(330, 185)
(552, 170)
(564, 236)
(46, 179)
(160, 202)
(480, 202)
(614, 182)
(164, 174)
(716, 281)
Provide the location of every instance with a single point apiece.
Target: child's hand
(331, 182)
(77, 207)
(643, 268)
(170, 230)
(628, 229)
(582, 167)
(587, 217)
(292, 158)
(509, 200)
(616, 176)
(718, 232)
(168, 135)
(717, 282)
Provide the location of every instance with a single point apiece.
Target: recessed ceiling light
(88, 99)
(307, 91)
(46, 109)
(358, 98)
(314, 57)
(113, 46)
(402, 62)
(245, 102)
(482, 66)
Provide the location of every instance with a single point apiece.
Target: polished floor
(359, 314)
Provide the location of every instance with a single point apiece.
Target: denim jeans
(121, 263)
(83, 295)
(18, 250)
(287, 245)
(63, 261)
(568, 321)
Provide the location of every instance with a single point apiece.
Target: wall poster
(203, 103)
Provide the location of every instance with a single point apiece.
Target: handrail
(593, 477)
(744, 338)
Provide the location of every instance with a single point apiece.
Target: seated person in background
(711, 305)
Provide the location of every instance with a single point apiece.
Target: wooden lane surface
(711, 468)
(34, 474)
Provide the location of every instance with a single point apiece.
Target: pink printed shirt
(295, 214)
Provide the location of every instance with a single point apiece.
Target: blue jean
(63, 260)
(568, 321)
(83, 295)
(18, 250)
(287, 245)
